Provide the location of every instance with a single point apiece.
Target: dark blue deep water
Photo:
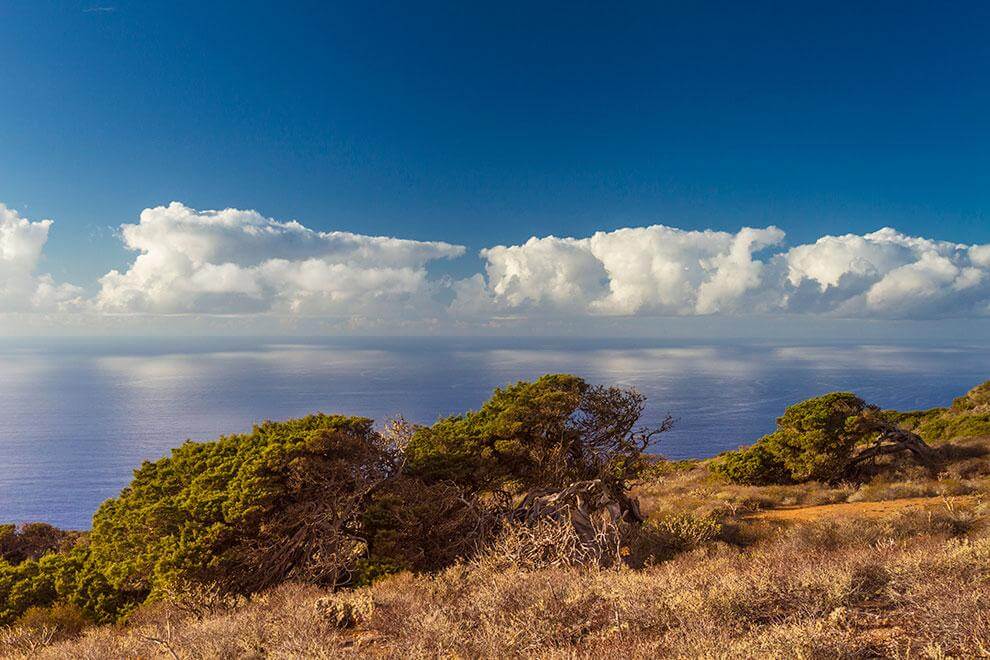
(77, 417)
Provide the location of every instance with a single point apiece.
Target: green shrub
(813, 442)
(815, 439)
(949, 426)
(243, 511)
(68, 577)
(415, 526)
(754, 465)
(21, 587)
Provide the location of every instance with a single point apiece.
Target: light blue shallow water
(76, 418)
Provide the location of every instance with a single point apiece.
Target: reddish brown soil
(882, 509)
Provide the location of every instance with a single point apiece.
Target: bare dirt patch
(881, 509)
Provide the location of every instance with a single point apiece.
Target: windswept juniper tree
(567, 448)
(823, 439)
(544, 434)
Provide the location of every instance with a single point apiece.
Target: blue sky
(484, 125)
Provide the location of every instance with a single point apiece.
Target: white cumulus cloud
(238, 262)
(21, 288)
(234, 261)
(656, 270)
(889, 274)
(664, 271)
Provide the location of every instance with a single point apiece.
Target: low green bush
(813, 441)
(755, 465)
(244, 511)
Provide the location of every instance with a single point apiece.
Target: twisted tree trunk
(892, 440)
(586, 504)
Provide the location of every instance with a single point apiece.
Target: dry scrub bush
(64, 619)
(19, 641)
(547, 543)
(183, 599)
(346, 609)
(39, 627)
(829, 535)
(882, 489)
(682, 532)
(283, 622)
(666, 536)
(720, 603)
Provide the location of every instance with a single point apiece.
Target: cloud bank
(888, 274)
(655, 270)
(21, 289)
(664, 271)
(238, 262)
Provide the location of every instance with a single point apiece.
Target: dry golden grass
(916, 584)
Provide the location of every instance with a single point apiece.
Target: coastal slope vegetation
(544, 523)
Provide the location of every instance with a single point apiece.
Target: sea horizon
(79, 414)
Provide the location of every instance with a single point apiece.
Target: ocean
(77, 416)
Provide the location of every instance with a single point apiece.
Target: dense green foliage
(412, 525)
(546, 433)
(66, 576)
(208, 511)
(41, 565)
(813, 441)
(755, 465)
